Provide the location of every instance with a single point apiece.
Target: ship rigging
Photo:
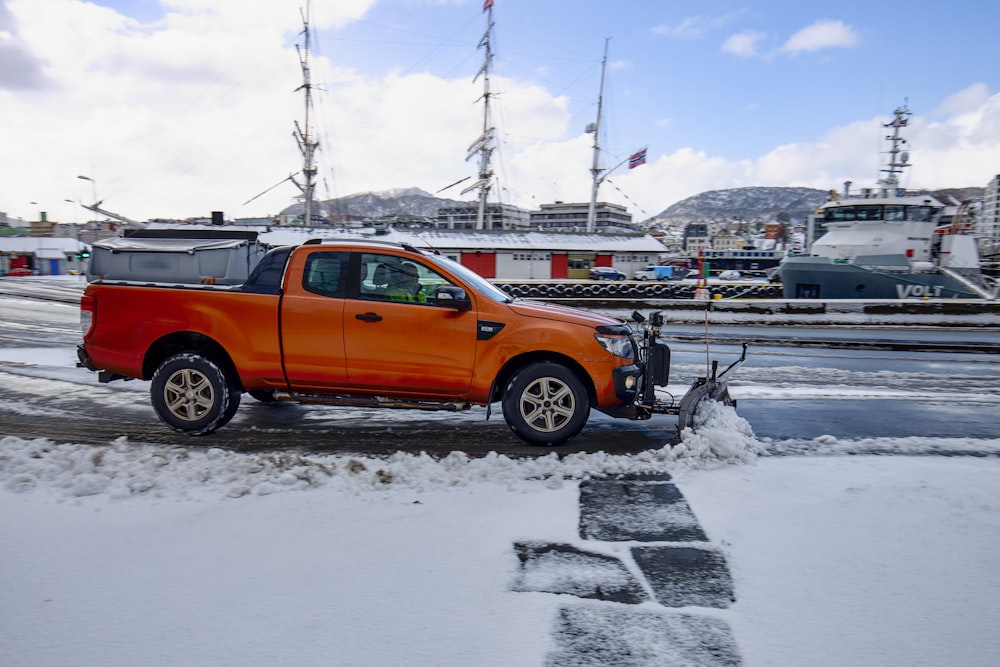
(483, 146)
(303, 136)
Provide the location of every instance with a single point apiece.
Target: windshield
(485, 287)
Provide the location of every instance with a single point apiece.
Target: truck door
(397, 340)
(312, 322)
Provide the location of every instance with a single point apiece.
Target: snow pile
(122, 469)
(719, 434)
(828, 445)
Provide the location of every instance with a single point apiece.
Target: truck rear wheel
(191, 394)
(235, 396)
(545, 404)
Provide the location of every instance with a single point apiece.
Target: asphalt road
(790, 388)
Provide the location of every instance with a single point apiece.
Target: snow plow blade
(715, 387)
(654, 360)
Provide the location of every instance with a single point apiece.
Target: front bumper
(626, 381)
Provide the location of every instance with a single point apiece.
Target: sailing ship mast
(307, 144)
(595, 128)
(483, 146)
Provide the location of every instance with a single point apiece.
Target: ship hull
(822, 278)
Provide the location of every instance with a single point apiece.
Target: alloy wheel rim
(188, 394)
(547, 404)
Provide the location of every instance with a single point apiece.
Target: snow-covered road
(124, 553)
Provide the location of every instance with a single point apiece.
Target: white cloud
(381, 139)
(823, 34)
(743, 44)
(694, 27)
(199, 117)
(960, 151)
(969, 99)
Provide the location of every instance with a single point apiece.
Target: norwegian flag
(636, 159)
(487, 4)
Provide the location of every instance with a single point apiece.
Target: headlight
(619, 345)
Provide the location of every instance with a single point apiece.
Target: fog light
(629, 381)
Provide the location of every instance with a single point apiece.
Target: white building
(42, 256)
(988, 222)
(573, 216)
(495, 216)
(508, 255)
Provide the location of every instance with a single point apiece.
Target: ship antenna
(899, 158)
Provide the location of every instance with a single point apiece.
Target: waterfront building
(988, 222)
(573, 217)
(495, 217)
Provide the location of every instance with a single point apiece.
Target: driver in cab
(404, 284)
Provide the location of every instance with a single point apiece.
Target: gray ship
(886, 243)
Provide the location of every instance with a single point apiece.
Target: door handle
(369, 317)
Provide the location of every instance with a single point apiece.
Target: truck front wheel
(191, 394)
(545, 404)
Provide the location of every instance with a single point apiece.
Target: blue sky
(178, 108)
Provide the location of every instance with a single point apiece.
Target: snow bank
(122, 469)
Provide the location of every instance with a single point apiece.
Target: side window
(325, 273)
(392, 278)
(266, 276)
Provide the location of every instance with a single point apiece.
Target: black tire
(262, 395)
(191, 394)
(235, 395)
(545, 404)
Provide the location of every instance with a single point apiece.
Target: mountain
(752, 203)
(399, 201)
(765, 203)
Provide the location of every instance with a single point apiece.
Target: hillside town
(762, 226)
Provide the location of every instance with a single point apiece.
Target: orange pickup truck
(365, 323)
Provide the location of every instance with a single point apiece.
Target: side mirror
(451, 296)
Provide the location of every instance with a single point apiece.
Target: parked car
(606, 273)
(653, 272)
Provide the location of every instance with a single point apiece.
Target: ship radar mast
(483, 146)
(899, 158)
